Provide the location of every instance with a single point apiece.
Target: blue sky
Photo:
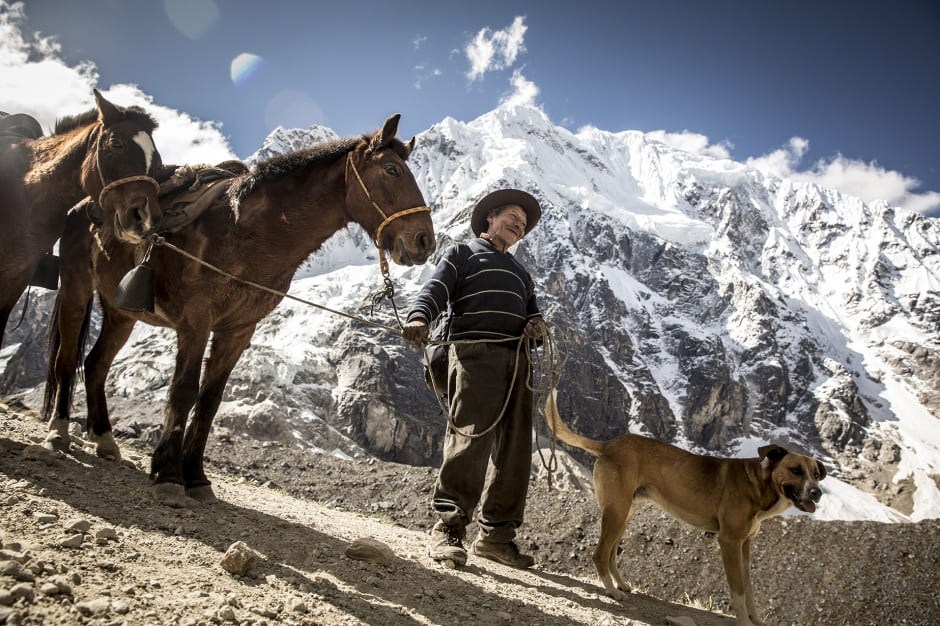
(842, 92)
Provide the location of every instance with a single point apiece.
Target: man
(492, 299)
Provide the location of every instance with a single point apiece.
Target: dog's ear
(822, 470)
(771, 455)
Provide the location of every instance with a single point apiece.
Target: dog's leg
(614, 520)
(613, 568)
(732, 556)
(748, 588)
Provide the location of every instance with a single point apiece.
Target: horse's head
(382, 196)
(120, 170)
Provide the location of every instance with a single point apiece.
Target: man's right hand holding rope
(416, 331)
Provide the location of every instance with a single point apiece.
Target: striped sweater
(495, 298)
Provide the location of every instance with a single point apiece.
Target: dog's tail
(553, 419)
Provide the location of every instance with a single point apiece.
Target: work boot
(446, 544)
(505, 553)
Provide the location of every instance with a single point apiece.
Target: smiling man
(488, 443)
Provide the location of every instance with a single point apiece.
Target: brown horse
(261, 231)
(106, 153)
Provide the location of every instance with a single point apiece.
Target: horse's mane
(133, 114)
(290, 163)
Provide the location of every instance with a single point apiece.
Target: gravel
(82, 541)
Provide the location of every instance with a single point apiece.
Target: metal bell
(47, 272)
(135, 291)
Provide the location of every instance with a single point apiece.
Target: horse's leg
(9, 295)
(115, 330)
(4, 316)
(224, 354)
(166, 465)
(67, 331)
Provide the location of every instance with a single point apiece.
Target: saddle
(191, 189)
(16, 126)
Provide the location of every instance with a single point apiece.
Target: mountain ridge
(702, 302)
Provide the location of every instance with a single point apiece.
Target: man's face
(508, 226)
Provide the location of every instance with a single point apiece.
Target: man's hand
(535, 329)
(416, 332)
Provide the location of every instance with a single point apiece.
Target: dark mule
(106, 153)
(269, 222)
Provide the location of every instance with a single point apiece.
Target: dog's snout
(815, 493)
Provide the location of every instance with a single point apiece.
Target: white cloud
(423, 74)
(693, 142)
(868, 181)
(35, 80)
(180, 137)
(418, 41)
(524, 91)
(489, 51)
(781, 162)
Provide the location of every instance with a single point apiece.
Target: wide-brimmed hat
(502, 197)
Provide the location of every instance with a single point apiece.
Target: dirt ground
(83, 542)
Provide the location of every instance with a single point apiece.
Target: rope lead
(545, 367)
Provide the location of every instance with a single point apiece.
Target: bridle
(387, 219)
(109, 187)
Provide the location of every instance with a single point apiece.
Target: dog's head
(795, 476)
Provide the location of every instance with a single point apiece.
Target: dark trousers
(496, 466)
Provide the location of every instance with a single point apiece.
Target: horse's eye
(115, 143)
(391, 170)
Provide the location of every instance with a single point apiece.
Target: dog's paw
(617, 594)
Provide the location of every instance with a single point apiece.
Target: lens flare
(245, 67)
(193, 18)
(292, 109)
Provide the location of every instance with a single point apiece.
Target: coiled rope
(545, 364)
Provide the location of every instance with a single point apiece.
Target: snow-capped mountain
(283, 140)
(699, 300)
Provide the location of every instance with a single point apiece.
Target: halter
(109, 187)
(377, 237)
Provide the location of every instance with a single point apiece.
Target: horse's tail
(52, 355)
(561, 430)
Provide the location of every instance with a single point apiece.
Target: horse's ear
(409, 147)
(385, 136)
(107, 112)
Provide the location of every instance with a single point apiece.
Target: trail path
(83, 542)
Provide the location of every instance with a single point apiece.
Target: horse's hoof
(203, 494)
(105, 446)
(172, 494)
(56, 442)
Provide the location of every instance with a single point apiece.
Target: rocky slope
(83, 542)
(701, 302)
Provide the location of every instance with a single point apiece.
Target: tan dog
(730, 497)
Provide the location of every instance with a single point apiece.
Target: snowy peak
(700, 301)
(727, 307)
(283, 140)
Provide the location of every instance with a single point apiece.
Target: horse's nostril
(425, 241)
(139, 215)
